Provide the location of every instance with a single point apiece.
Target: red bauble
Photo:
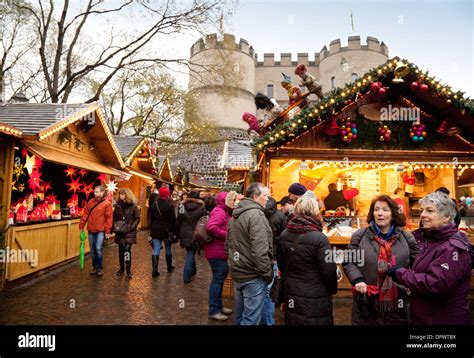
(375, 86)
(414, 85)
(382, 91)
(424, 87)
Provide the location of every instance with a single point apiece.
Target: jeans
(268, 314)
(189, 265)
(157, 247)
(96, 241)
(249, 301)
(219, 273)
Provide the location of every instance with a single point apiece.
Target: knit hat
(164, 192)
(194, 194)
(285, 200)
(297, 189)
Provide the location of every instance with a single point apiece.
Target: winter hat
(164, 192)
(247, 117)
(297, 189)
(301, 69)
(285, 200)
(286, 79)
(193, 195)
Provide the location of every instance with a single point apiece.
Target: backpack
(200, 232)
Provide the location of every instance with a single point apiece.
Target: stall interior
(44, 191)
(360, 182)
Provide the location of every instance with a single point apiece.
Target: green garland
(323, 111)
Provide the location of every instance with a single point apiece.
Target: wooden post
(7, 151)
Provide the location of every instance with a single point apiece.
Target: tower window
(353, 78)
(270, 90)
(333, 82)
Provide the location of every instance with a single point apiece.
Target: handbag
(120, 227)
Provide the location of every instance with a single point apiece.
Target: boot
(121, 260)
(128, 266)
(169, 263)
(154, 265)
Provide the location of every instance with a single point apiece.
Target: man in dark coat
(188, 215)
(163, 225)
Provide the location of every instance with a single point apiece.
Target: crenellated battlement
(227, 42)
(353, 44)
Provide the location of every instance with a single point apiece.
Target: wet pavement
(69, 296)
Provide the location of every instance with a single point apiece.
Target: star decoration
(47, 186)
(30, 163)
(111, 186)
(102, 177)
(35, 180)
(24, 152)
(21, 187)
(82, 172)
(87, 189)
(13, 186)
(51, 198)
(18, 170)
(38, 163)
(74, 185)
(70, 171)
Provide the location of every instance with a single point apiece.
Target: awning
(59, 157)
(144, 175)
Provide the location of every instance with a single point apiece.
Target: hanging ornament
(87, 189)
(111, 186)
(38, 163)
(348, 130)
(24, 152)
(375, 86)
(423, 87)
(13, 185)
(418, 132)
(102, 177)
(70, 171)
(35, 180)
(46, 186)
(51, 198)
(384, 132)
(30, 163)
(82, 172)
(415, 85)
(74, 185)
(21, 187)
(18, 170)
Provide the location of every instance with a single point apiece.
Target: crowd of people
(278, 257)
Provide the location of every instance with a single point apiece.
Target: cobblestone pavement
(67, 296)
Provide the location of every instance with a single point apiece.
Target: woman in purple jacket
(440, 278)
(216, 254)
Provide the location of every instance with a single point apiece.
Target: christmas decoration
(309, 81)
(24, 152)
(349, 131)
(418, 132)
(102, 178)
(34, 181)
(409, 180)
(111, 186)
(70, 172)
(87, 189)
(74, 185)
(46, 186)
(30, 163)
(385, 134)
(294, 93)
(82, 172)
(38, 163)
(51, 199)
(254, 124)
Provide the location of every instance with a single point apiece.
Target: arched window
(353, 78)
(270, 93)
(333, 82)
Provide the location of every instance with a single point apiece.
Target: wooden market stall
(50, 165)
(140, 157)
(394, 127)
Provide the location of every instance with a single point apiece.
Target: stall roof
(196, 182)
(438, 99)
(127, 145)
(38, 121)
(165, 172)
(238, 155)
(32, 118)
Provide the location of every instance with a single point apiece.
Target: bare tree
(61, 34)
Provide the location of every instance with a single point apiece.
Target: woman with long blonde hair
(126, 220)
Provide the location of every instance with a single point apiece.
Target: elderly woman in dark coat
(189, 214)
(126, 209)
(441, 275)
(309, 278)
(374, 250)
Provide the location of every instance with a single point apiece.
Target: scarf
(388, 292)
(302, 224)
(386, 236)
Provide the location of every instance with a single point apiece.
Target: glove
(392, 272)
